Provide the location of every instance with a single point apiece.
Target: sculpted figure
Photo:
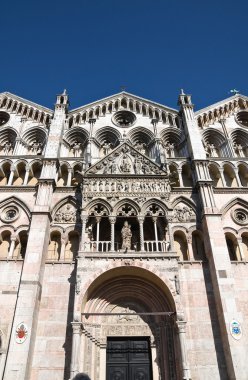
(106, 147)
(125, 165)
(36, 148)
(76, 149)
(126, 234)
(7, 148)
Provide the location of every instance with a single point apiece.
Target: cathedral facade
(123, 239)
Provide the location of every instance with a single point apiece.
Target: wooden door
(128, 359)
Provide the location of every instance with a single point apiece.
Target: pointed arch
(13, 200)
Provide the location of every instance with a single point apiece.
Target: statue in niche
(7, 148)
(126, 234)
(213, 152)
(76, 149)
(170, 150)
(125, 164)
(239, 150)
(37, 148)
(141, 147)
(106, 147)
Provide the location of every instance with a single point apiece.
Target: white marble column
(154, 219)
(222, 177)
(112, 220)
(240, 248)
(12, 246)
(141, 228)
(76, 337)
(236, 171)
(11, 177)
(182, 340)
(26, 177)
(98, 221)
(84, 221)
(180, 178)
(69, 177)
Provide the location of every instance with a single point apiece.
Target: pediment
(119, 97)
(125, 160)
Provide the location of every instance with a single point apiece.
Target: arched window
(63, 176)
(72, 246)
(54, 248)
(245, 245)
(198, 246)
(181, 245)
(187, 176)
(232, 247)
(21, 245)
(5, 244)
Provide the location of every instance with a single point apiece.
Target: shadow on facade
(215, 324)
(72, 281)
(81, 376)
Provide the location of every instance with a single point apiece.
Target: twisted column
(112, 220)
(141, 230)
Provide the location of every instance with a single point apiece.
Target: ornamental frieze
(119, 187)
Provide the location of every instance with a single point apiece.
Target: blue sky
(153, 47)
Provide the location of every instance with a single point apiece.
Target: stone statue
(125, 165)
(7, 148)
(76, 149)
(126, 234)
(36, 148)
(106, 147)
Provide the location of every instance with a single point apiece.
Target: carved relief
(126, 160)
(67, 214)
(183, 213)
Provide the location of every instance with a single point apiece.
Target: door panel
(128, 359)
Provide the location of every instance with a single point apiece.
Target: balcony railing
(105, 246)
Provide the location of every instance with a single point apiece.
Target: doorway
(128, 359)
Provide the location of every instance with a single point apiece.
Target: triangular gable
(221, 103)
(26, 102)
(120, 96)
(125, 160)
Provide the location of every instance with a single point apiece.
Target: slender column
(84, 221)
(98, 220)
(180, 178)
(62, 251)
(141, 221)
(11, 177)
(112, 220)
(76, 337)
(155, 231)
(182, 333)
(240, 247)
(26, 177)
(190, 248)
(69, 177)
(222, 177)
(12, 246)
(237, 177)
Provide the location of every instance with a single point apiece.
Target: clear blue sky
(153, 47)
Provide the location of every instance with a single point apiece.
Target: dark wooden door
(128, 359)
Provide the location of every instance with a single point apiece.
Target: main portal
(128, 359)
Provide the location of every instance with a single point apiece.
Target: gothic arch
(95, 202)
(155, 201)
(181, 199)
(232, 203)
(68, 200)
(18, 202)
(125, 201)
